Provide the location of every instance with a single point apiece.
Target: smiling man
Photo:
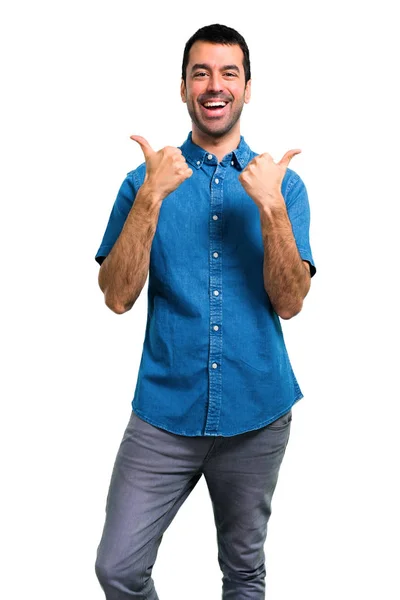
(223, 234)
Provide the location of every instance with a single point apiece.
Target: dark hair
(218, 34)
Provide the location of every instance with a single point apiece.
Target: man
(223, 235)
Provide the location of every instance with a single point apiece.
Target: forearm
(124, 272)
(286, 277)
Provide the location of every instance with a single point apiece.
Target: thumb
(288, 157)
(144, 144)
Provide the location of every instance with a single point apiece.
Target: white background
(79, 78)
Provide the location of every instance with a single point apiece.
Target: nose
(215, 83)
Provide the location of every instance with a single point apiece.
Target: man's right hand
(165, 169)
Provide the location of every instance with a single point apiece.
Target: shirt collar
(196, 156)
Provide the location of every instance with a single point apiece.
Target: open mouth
(214, 108)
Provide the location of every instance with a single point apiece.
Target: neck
(219, 146)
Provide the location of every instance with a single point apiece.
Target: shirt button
(209, 156)
(215, 327)
(215, 255)
(216, 293)
(217, 181)
(215, 217)
(198, 162)
(214, 365)
(232, 163)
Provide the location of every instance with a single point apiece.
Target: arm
(286, 276)
(123, 273)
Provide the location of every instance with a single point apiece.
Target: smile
(215, 104)
(214, 108)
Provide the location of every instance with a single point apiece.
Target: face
(215, 89)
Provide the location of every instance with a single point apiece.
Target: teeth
(210, 104)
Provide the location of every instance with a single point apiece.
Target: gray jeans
(154, 473)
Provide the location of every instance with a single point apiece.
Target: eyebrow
(206, 66)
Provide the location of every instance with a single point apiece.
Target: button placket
(216, 296)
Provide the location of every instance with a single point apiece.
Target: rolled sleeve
(298, 210)
(120, 210)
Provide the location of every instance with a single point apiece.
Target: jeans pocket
(281, 422)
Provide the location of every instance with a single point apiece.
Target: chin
(216, 131)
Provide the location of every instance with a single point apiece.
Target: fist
(165, 169)
(262, 178)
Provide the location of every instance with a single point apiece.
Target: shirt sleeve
(119, 213)
(298, 210)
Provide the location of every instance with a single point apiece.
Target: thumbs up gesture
(262, 178)
(165, 169)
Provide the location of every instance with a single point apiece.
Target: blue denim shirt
(214, 360)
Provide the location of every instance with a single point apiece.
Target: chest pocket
(242, 238)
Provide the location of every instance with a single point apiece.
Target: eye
(200, 74)
(230, 74)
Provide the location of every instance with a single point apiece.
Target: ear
(247, 91)
(183, 91)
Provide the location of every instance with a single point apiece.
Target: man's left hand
(262, 178)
